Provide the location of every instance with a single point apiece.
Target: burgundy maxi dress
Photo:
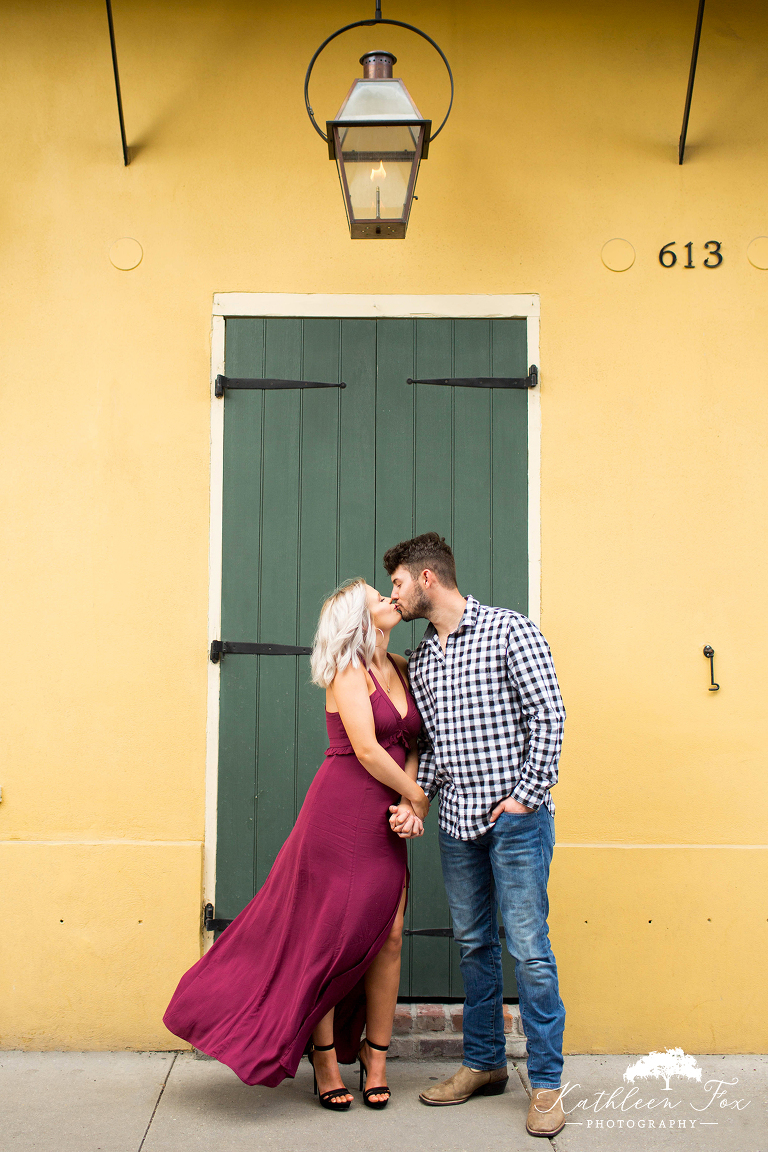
(305, 941)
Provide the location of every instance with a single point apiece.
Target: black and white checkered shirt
(493, 717)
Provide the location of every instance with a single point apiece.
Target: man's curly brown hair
(426, 551)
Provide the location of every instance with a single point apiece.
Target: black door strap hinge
(221, 648)
(212, 925)
(529, 381)
(440, 932)
(427, 931)
(223, 382)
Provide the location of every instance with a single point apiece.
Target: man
(485, 685)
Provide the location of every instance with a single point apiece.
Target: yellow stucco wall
(653, 469)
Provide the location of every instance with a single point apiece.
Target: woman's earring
(382, 634)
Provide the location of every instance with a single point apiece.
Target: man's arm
(532, 673)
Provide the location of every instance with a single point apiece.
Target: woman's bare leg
(326, 1064)
(382, 981)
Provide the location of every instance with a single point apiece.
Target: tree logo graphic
(663, 1066)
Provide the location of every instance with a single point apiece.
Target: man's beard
(419, 607)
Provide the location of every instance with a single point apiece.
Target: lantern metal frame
(375, 22)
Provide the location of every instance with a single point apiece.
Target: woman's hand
(404, 820)
(416, 808)
(421, 806)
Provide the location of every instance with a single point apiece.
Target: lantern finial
(377, 65)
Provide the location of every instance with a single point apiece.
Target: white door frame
(228, 304)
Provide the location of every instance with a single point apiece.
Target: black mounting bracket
(529, 381)
(691, 78)
(118, 93)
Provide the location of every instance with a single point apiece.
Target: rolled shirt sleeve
(425, 777)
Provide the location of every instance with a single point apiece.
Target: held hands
(510, 805)
(404, 820)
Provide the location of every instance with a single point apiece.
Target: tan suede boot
(545, 1114)
(465, 1083)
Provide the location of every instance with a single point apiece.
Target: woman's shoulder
(350, 679)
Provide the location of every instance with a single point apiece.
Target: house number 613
(668, 258)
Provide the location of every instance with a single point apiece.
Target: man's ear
(427, 578)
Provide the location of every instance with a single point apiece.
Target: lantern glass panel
(378, 99)
(377, 162)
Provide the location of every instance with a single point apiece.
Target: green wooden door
(317, 485)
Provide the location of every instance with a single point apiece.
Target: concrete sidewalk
(168, 1102)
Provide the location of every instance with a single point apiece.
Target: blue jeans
(508, 867)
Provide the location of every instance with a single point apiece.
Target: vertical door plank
(236, 810)
(429, 957)
(276, 721)
(510, 467)
(471, 489)
(319, 473)
(434, 412)
(395, 363)
(235, 869)
(357, 463)
(243, 412)
(509, 451)
(318, 539)
(394, 450)
(472, 466)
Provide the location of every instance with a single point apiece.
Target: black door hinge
(529, 381)
(210, 924)
(221, 648)
(440, 932)
(240, 382)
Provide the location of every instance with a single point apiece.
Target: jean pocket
(516, 816)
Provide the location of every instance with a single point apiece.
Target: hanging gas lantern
(378, 139)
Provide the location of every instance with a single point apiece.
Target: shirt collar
(468, 620)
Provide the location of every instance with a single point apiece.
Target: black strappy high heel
(364, 1076)
(329, 1099)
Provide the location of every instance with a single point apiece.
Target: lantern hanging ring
(378, 19)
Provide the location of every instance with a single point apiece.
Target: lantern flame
(379, 173)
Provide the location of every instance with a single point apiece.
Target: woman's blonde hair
(345, 634)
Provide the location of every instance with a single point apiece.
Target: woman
(315, 956)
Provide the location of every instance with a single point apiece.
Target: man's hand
(510, 805)
(404, 820)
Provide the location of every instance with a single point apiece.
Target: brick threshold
(434, 1032)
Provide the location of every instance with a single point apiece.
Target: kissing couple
(313, 961)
